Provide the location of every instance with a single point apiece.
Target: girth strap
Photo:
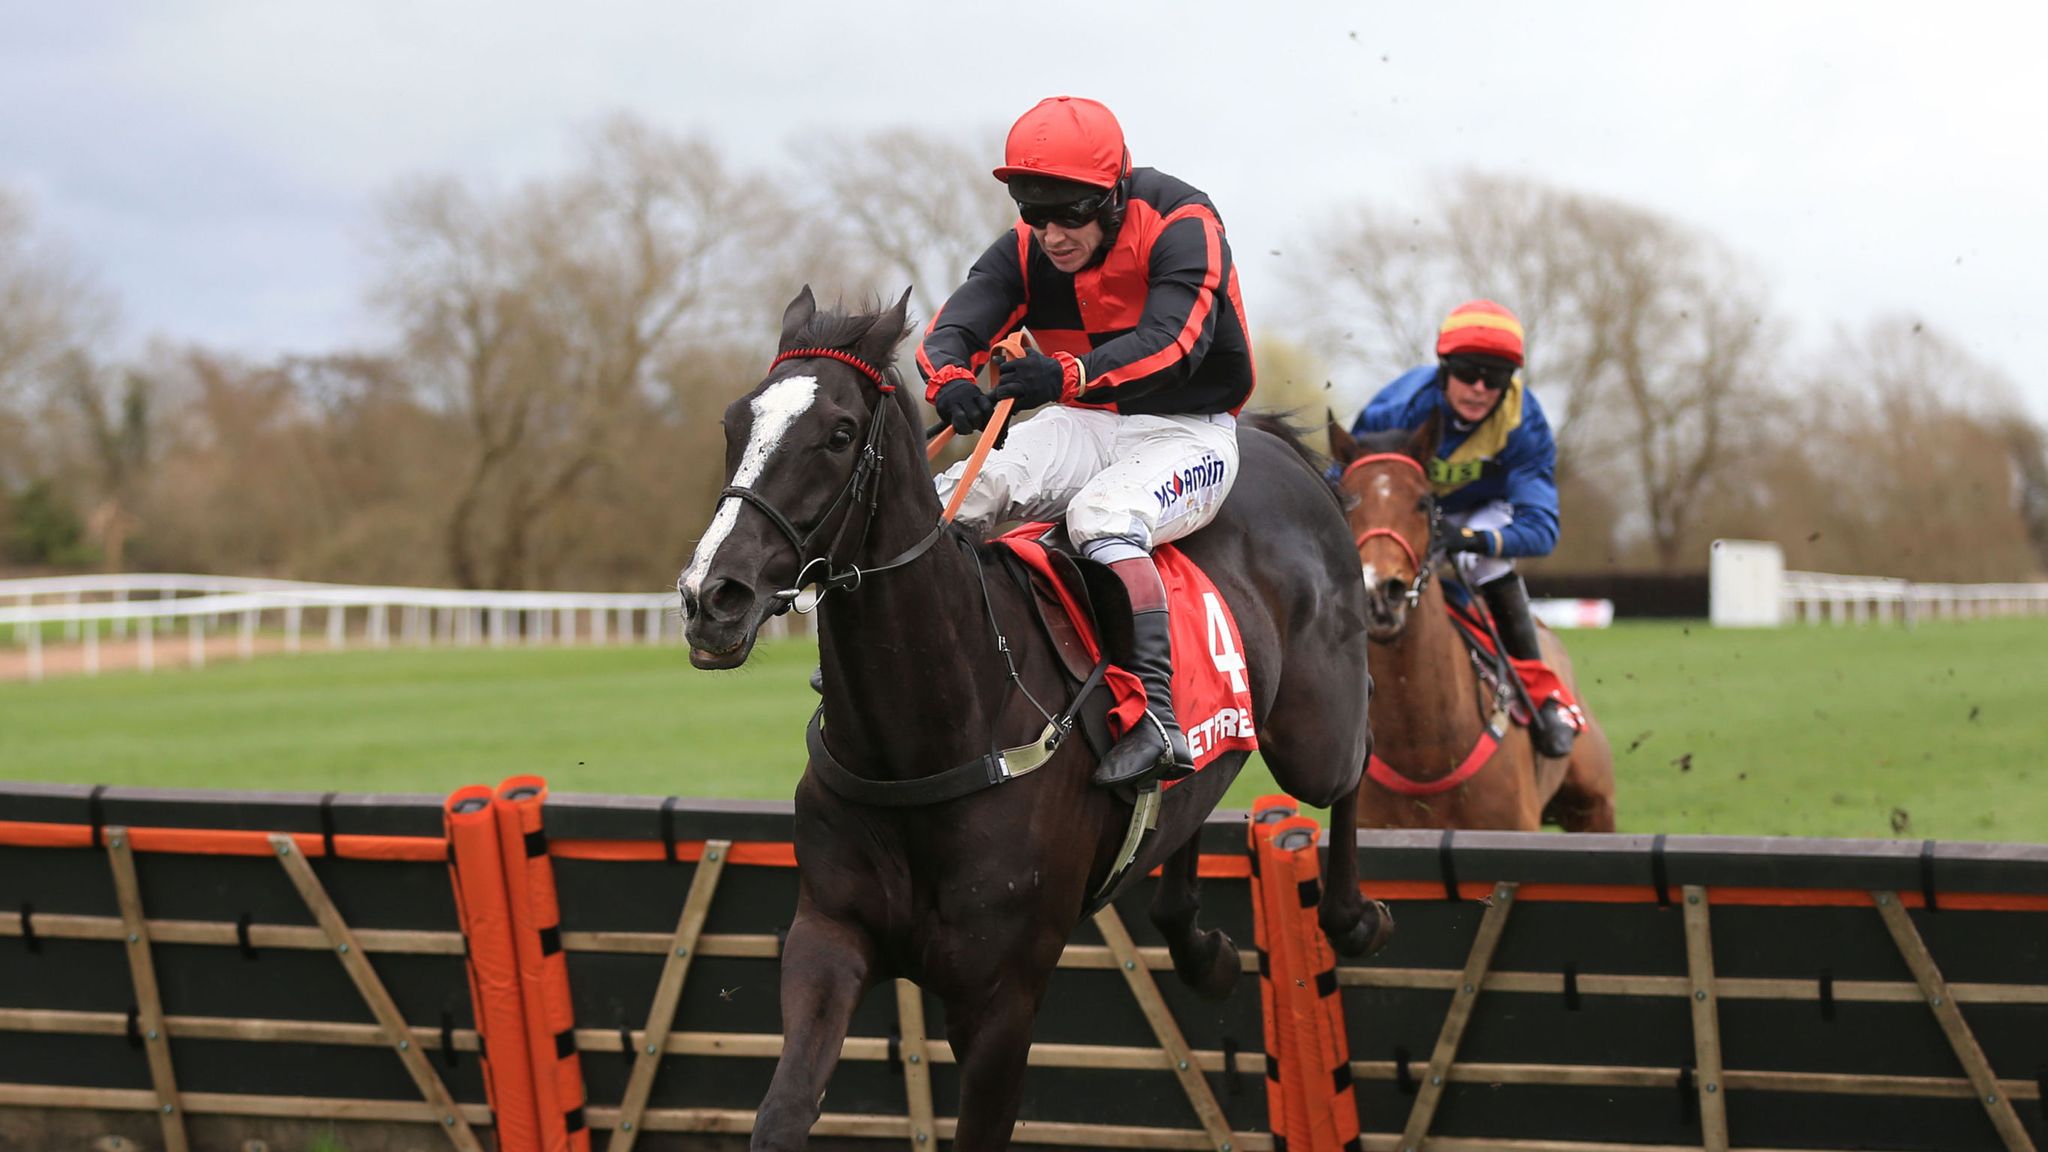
(984, 771)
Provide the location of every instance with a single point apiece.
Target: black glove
(1032, 379)
(965, 406)
(1466, 540)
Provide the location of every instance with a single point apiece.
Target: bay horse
(931, 657)
(1430, 710)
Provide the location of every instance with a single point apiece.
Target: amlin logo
(1191, 483)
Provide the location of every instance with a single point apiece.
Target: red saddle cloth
(1539, 678)
(1212, 697)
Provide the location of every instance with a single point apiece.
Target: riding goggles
(1492, 377)
(1074, 214)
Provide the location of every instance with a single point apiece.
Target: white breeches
(1122, 483)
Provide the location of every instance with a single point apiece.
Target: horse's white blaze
(1383, 486)
(775, 409)
(1372, 575)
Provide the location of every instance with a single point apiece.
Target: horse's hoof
(1366, 935)
(1212, 966)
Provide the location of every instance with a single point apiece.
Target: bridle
(861, 487)
(1424, 563)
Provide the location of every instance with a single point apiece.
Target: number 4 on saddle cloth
(1212, 697)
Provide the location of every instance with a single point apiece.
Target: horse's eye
(1422, 505)
(840, 439)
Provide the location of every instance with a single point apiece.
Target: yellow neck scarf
(1462, 466)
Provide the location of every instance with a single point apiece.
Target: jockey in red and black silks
(1125, 279)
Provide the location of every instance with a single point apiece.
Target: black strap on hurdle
(894, 1061)
(1571, 987)
(1657, 874)
(1403, 1078)
(96, 814)
(1927, 874)
(626, 1039)
(668, 829)
(327, 824)
(134, 1026)
(28, 927)
(1447, 865)
(1827, 994)
(448, 1054)
(1233, 1084)
(242, 923)
(1688, 1098)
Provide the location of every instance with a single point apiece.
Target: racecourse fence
(152, 619)
(1750, 587)
(1823, 597)
(200, 970)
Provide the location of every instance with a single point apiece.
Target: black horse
(975, 896)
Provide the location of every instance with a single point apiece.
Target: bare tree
(915, 208)
(541, 322)
(1293, 380)
(1645, 341)
(48, 305)
(113, 408)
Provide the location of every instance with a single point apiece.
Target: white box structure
(1746, 584)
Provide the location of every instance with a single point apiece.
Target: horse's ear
(795, 316)
(878, 347)
(1423, 443)
(1343, 446)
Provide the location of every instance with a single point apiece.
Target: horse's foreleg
(1356, 926)
(825, 967)
(1205, 961)
(992, 1041)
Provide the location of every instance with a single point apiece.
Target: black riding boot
(1509, 600)
(1155, 744)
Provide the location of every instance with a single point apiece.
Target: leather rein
(1384, 774)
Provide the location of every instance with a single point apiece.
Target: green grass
(1813, 732)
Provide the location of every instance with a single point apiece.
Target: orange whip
(1010, 348)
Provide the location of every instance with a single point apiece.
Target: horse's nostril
(689, 604)
(727, 598)
(1393, 589)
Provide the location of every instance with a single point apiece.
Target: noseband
(860, 488)
(1424, 563)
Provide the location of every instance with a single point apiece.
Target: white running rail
(1812, 597)
(88, 612)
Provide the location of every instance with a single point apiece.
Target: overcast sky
(216, 164)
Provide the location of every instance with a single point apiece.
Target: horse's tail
(1282, 426)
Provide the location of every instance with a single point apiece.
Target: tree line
(542, 407)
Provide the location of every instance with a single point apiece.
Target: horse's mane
(1394, 440)
(1281, 425)
(843, 330)
(840, 329)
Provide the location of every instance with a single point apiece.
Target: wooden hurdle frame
(918, 1123)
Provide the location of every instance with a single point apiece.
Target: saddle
(1067, 587)
(1524, 684)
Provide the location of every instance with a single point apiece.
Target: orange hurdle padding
(1285, 1116)
(1321, 1004)
(477, 871)
(1292, 910)
(543, 969)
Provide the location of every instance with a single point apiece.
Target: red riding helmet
(1481, 328)
(1067, 138)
